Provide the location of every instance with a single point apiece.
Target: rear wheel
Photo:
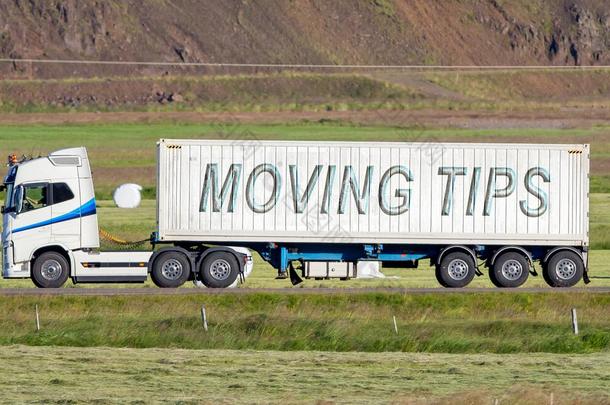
(510, 270)
(219, 270)
(170, 269)
(457, 269)
(564, 269)
(50, 270)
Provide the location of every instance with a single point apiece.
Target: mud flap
(585, 276)
(294, 277)
(585, 273)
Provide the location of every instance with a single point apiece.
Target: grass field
(136, 224)
(104, 375)
(499, 90)
(127, 151)
(510, 346)
(443, 323)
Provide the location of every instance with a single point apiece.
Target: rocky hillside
(457, 32)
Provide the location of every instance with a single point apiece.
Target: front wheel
(50, 270)
(456, 270)
(564, 269)
(170, 270)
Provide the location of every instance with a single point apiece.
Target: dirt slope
(482, 32)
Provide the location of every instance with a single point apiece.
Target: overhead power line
(294, 65)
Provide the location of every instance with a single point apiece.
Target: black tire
(50, 270)
(510, 270)
(456, 270)
(437, 273)
(564, 269)
(170, 269)
(545, 275)
(219, 270)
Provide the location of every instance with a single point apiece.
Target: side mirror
(18, 199)
(2, 210)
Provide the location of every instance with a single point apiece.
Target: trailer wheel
(564, 269)
(170, 269)
(456, 270)
(219, 270)
(50, 270)
(510, 270)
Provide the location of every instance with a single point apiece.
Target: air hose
(108, 237)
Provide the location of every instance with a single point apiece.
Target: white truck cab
(50, 229)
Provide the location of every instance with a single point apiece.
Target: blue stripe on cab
(84, 210)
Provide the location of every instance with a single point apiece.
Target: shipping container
(358, 192)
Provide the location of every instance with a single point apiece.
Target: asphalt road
(294, 290)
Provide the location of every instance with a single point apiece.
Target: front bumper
(10, 269)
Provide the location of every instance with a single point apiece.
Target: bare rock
(175, 98)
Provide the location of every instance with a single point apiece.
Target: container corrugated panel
(365, 192)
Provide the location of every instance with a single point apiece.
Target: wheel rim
(172, 269)
(220, 269)
(512, 270)
(565, 269)
(458, 269)
(51, 270)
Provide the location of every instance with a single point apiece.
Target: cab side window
(35, 196)
(41, 195)
(61, 193)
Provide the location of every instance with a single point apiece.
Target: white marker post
(204, 318)
(395, 326)
(37, 319)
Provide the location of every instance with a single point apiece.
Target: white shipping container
(373, 192)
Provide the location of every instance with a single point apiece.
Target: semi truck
(313, 210)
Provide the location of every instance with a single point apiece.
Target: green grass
(600, 221)
(454, 323)
(127, 151)
(138, 223)
(104, 375)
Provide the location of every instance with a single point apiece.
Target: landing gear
(456, 270)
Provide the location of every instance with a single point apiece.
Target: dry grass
(104, 375)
